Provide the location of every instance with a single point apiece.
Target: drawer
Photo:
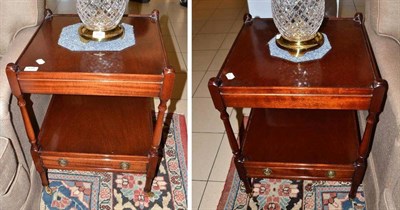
(300, 171)
(96, 163)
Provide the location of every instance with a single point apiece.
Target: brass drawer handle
(267, 171)
(62, 162)
(125, 165)
(331, 174)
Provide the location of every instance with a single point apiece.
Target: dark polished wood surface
(342, 79)
(145, 57)
(301, 136)
(303, 123)
(135, 71)
(250, 61)
(98, 125)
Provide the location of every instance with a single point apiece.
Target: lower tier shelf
(97, 132)
(297, 143)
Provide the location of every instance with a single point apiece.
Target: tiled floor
(173, 20)
(215, 26)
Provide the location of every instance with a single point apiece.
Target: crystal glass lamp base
(298, 48)
(90, 35)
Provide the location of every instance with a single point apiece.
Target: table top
(349, 64)
(139, 70)
(147, 56)
(345, 78)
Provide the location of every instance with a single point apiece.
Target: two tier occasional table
(100, 116)
(303, 123)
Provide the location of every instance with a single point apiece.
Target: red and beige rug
(78, 190)
(280, 194)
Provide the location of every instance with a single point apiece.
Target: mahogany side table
(303, 123)
(100, 116)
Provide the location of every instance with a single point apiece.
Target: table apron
(83, 87)
(316, 101)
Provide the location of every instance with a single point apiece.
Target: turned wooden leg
(376, 107)
(358, 176)
(242, 175)
(39, 167)
(236, 148)
(155, 152)
(32, 139)
(11, 72)
(154, 162)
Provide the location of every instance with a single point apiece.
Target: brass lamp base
(87, 35)
(298, 48)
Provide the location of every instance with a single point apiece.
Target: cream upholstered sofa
(382, 180)
(20, 186)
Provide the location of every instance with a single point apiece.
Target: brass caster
(149, 194)
(48, 190)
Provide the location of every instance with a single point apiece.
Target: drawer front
(95, 164)
(300, 172)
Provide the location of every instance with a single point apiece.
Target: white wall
(260, 8)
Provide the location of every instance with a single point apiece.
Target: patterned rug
(280, 194)
(80, 190)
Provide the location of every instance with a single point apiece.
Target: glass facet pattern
(298, 20)
(101, 15)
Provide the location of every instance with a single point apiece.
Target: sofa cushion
(15, 16)
(6, 125)
(384, 17)
(18, 45)
(380, 186)
(17, 194)
(387, 54)
(8, 165)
